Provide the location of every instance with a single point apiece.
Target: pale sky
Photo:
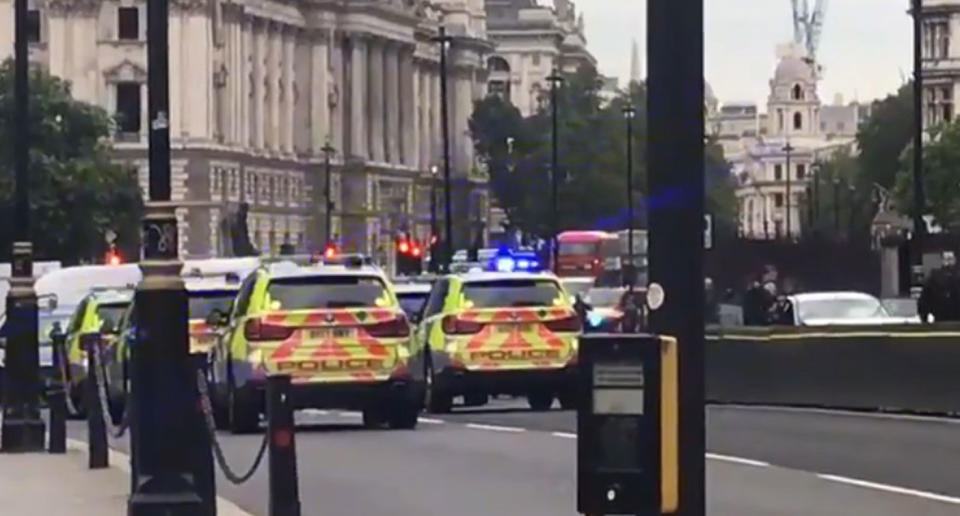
(865, 47)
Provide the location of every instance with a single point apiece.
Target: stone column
(335, 92)
(391, 59)
(243, 83)
(426, 144)
(375, 115)
(318, 95)
(408, 103)
(276, 83)
(258, 122)
(358, 97)
(289, 97)
(436, 136)
(413, 118)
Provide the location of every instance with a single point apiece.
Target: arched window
(498, 64)
(797, 92)
(797, 121)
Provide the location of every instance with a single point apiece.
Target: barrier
(57, 399)
(96, 426)
(896, 368)
(284, 488)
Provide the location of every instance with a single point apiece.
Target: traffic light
(330, 251)
(409, 257)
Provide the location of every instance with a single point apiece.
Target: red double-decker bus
(586, 253)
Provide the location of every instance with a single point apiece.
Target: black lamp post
(788, 149)
(434, 259)
(836, 206)
(628, 113)
(445, 41)
(23, 429)
(919, 200)
(555, 80)
(328, 151)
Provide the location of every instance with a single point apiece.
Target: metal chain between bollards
(115, 431)
(215, 444)
(62, 355)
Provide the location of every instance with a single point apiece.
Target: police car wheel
(404, 417)
(373, 417)
(438, 401)
(568, 400)
(540, 400)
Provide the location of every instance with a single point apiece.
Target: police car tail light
(567, 324)
(453, 325)
(397, 327)
(255, 329)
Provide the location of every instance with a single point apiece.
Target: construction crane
(808, 25)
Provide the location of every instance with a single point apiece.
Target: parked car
(835, 308)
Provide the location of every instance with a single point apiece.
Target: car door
(227, 334)
(432, 313)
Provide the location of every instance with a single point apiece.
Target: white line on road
(891, 489)
(565, 435)
(431, 421)
(495, 428)
(841, 413)
(121, 461)
(738, 460)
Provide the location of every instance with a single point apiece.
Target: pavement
(505, 459)
(40, 484)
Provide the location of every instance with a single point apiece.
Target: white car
(837, 308)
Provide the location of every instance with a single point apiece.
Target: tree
(883, 137)
(940, 180)
(842, 196)
(76, 193)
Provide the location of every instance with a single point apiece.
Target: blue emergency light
(507, 260)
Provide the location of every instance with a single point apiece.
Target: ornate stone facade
(257, 88)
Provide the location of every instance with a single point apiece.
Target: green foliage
(592, 164)
(883, 137)
(843, 203)
(76, 192)
(941, 183)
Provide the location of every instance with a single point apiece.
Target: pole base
(163, 504)
(22, 435)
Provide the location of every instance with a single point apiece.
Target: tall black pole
(22, 430)
(788, 149)
(628, 113)
(328, 151)
(919, 199)
(434, 259)
(836, 207)
(445, 41)
(816, 192)
(165, 420)
(675, 146)
(555, 79)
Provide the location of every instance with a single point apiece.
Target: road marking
(121, 461)
(564, 435)
(892, 489)
(841, 413)
(495, 428)
(429, 421)
(737, 460)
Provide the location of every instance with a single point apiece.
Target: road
(504, 460)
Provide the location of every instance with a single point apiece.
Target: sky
(865, 47)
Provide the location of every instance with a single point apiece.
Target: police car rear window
(201, 304)
(511, 293)
(111, 313)
(327, 292)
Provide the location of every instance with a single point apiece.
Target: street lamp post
(788, 149)
(555, 80)
(166, 439)
(328, 151)
(23, 429)
(816, 190)
(919, 200)
(434, 262)
(445, 41)
(628, 113)
(836, 206)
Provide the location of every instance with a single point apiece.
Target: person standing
(940, 296)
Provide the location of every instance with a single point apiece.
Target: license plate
(508, 328)
(331, 333)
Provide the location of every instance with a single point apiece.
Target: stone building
(258, 87)
(531, 40)
(940, 52)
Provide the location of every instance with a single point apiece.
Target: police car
(338, 330)
(413, 297)
(509, 329)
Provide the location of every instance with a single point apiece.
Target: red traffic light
(403, 247)
(113, 259)
(330, 251)
(416, 250)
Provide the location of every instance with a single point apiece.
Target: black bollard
(284, 489)
(57, 399)
(203, 467)
(96, 426)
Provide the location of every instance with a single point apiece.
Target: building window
(936, 40)
(946, 103)
(778, 200)
(797, 92)
(128, 23)
(801, 171)
(128, 107)
(33, 26)
(797, 121)
(777, 172)
(780, 119)
(536, 59)
(841, 126)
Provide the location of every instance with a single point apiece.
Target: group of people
(940, 296)
(765, 300)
